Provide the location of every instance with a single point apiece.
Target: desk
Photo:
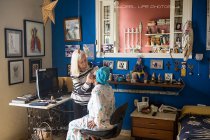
(37, 114)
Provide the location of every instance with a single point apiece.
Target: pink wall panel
(131, 12)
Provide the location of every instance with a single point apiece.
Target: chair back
(117, 119)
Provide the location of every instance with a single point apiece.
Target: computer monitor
(47, 82)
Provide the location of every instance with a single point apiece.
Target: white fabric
(101, 106)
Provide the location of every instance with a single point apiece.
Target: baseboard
(125, 133)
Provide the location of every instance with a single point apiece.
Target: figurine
(145, 77)
(128, 77)
(153, 78)
(138, 69)
(159, 78)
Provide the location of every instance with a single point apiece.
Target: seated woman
(100, 107)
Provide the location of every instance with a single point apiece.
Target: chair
(116, 119)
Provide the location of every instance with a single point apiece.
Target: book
(20, 101)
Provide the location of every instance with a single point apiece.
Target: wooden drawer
(152, 133)
(153, 123)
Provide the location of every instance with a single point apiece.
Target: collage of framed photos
(34, 46)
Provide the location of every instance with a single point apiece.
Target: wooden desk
(161, 126)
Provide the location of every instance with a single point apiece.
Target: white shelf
(144, 55)
(158, 34)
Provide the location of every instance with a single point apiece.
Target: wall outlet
(145, 99)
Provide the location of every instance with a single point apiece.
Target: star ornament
(47, 10)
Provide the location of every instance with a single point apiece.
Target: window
(111, 33)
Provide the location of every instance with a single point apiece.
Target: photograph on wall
(34, 64)
(108, 63)
(68, 69)
(89, 51)
(13, 43)
(168, 77)
(107, 48)
(122, 65)
(69, 49)
(72, 29)
(16, 71)
(156, 64)
(34, 38)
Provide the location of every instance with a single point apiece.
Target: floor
(117, 138)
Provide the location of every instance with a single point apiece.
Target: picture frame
(156, 64)
(13, 43)
(15, 71)
(34, 35)
(34, 64)
(108, 63)
(178, 26)
(89, 50)
(72, 29)
(69, 49)
(122, 65)
(68, 69)
(169, 77)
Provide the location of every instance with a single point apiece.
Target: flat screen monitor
(47, 82)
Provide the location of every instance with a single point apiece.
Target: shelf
(167, 85)
(158, 34)
(162, 88)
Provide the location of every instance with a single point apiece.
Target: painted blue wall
(197, 89)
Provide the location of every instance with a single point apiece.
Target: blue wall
(197, 89)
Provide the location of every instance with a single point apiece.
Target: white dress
(100, 107)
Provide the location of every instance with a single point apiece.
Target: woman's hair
(76, 56)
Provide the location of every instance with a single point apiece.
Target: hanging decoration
(187, 39)
(47, 10)
(183, 69)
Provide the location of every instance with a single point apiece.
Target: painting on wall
(34, 38)
(108, 63)
(89, 51)
(156, 64)
(13, 43)
(16, 71)
(72, 29)
(122, 65)
(69, 49)
(34, 64)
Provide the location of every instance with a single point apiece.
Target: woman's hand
(90, 78)
(91, 124)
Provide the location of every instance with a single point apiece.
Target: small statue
(159, 78)
(153, 78)
(145, 77)
(138, 69)
(128, 77)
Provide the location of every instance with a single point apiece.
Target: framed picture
(122, 65)
(168, 77)
(108, 63)
(156, 64)
(69, 49)
(68, 69)
(15, 71)
(72, 29)
(13, 43)
(34, 38)
(179, 26)
(34, 64)
(89, 51)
